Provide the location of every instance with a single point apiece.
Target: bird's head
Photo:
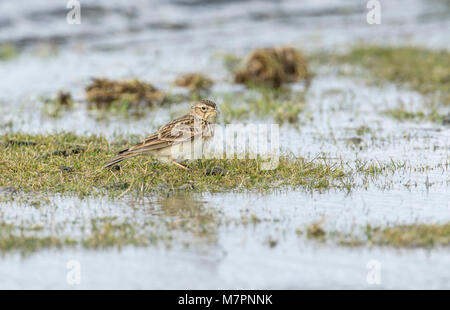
(205, 110)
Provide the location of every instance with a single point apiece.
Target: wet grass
(282, 105)
(56, 106)
(7, 52)
(179, 219)
(70, 164)
(27, 245)
(400, 236)
(66, 163)
(410, 236)
(26, 239)
(403, 114)
(230, 61)
(101, 233)
(424, 70)
(418, 68)
(429, 111)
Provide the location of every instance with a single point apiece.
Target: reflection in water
(176, 220)
(190, 215)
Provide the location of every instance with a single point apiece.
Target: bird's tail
(125, 154)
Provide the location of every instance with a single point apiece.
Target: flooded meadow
(362, 181)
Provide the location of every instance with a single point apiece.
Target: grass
(28, 239)
(66, 163)
(419, 68)
(180, 219)
(69, 164)
(425, 70)
(411, 236)
(186, 221)
(401, 236)
(7, 52)
(406, 236)
(102, 233)
(55, 107)
(230, 61)
(401, 114)
(428, 112)
(282, 105)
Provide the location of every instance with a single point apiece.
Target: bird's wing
(177, 131)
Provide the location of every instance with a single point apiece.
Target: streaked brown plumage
(169, 143)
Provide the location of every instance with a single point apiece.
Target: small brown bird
(179, 140)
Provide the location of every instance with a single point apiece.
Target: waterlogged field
(360, 194)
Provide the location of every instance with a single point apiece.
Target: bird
(179, 140)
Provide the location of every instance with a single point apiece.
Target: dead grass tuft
(272, 67)
(104, 93)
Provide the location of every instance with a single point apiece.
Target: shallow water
(241, 257)
(156, 42)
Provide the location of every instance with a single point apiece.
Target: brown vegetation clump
(195, 82)
(315, 231)
(105, 92)
(272, 67)
(64, 98)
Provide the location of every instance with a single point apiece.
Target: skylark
(177, 141)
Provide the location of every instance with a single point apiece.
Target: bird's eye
(203, 109)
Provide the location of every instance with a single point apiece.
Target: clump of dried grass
(194, 82)
(272, 67)
(105, 92)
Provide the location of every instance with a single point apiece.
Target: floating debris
(195, 82)
(272, 67)
(104, 93)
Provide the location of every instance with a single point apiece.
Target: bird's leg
(179, 165)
